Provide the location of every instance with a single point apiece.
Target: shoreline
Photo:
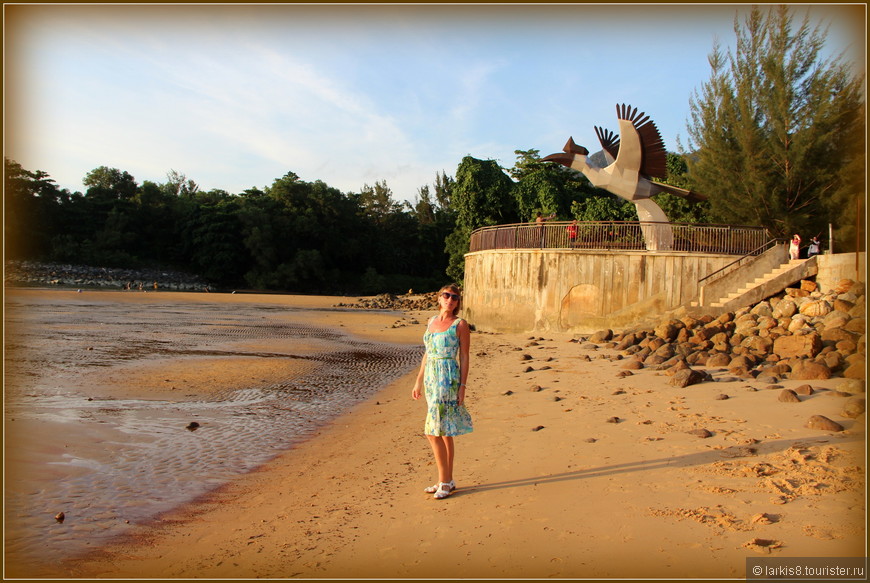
(128, 378)
(573, 466)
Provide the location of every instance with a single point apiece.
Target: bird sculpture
(633, 158)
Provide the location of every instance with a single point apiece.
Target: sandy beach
(575, 469)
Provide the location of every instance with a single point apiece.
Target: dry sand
(572, 472)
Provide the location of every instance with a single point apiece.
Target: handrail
(623, 236)
(763, 248)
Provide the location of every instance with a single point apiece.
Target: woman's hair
(453, 288)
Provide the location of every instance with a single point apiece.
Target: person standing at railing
(572, 233)
(794, 247)
(814, 247)
(540, 219)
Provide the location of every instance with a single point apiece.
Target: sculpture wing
(652, 159)
(609, 142)
(687, 194)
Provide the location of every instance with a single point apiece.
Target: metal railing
(623, 236)
(726, 269)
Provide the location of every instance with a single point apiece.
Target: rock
(667, 331)
(785, 309)
(590, 440)
(852, 386)
(823, 423)
(722, 397)
(538, 428)
(854, 407)
(763, 545)
(686, 377)
(857, 325)
(834, 335)
(807, 370)
(718, 360)
(804, 390)
(601, 336)
(633, 364)
(857, 370)
(702, 433)
(525, 357)
(815, 308)
(807, 345)
(508, 393)
(808, 285)
(741, 361)
(614, 420)
(535, 388)
(192, 426)
(788, 396)
(60, 516)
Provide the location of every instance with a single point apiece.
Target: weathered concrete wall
(833, 268)
(528, 290)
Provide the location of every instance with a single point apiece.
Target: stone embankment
(403, 303)
(32, 274)
(801, 334)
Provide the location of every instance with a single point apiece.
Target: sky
(235, 96)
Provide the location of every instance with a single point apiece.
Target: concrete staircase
(769, 284)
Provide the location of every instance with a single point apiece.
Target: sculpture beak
(560, 158)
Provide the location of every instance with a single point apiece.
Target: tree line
(292, 235)
(777, 140)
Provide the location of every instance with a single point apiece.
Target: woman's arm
(464, 346)
(418, 384)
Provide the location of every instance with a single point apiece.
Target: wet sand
(573, 471)
(102, 390)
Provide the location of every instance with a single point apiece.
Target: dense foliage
(778, 131)
(292, 235)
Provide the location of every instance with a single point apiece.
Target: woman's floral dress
(441, 384)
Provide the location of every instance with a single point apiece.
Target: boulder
(823, 423)
(857, 370)
(601, 336)
(808, 370)
(789, 396)
(816, 308)
(804, 390)
(718, 360)
(686, 377)
(854, 407)
(806, 345)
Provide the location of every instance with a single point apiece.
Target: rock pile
(800, 334)
(404, 303)
(27, 273)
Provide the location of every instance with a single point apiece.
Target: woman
(442, 380)
(794, 248)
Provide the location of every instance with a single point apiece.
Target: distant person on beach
(442, 381)
(794, 248)
(814, 247)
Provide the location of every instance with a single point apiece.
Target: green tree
(677, 208)
(481, 195)
(771, 129)
(32, 211)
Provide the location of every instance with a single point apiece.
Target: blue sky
(234, 96)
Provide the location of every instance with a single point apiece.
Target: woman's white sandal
(434, 487)
(444, 489)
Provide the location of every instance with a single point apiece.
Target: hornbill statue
(633, 158)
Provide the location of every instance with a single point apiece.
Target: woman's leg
(442, 447)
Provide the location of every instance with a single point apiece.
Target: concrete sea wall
(560, 290)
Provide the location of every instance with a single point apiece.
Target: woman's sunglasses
(450, 296)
